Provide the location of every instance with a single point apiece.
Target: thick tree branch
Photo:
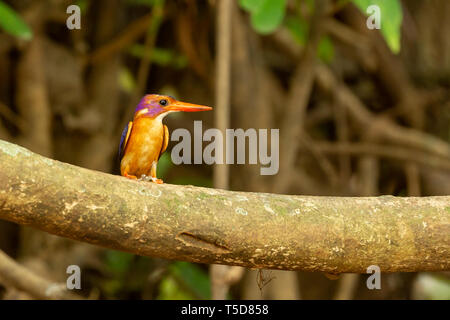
(329, 234)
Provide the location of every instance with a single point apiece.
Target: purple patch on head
(154, 108)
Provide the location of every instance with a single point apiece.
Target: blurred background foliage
(67, 94)
(12, 23)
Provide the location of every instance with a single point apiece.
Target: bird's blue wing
(124, 139)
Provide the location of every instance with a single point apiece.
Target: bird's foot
(156, 180)
(129, 176)
(145, 178)
(150, 178)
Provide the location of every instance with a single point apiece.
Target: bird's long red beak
(186, 107)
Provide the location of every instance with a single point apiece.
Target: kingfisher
(145, 138)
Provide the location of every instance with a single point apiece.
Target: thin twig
(382, 127)
(219, 286)
(13, 274)
(131, 33)
(11, 117)
(150, 40)
(297, 101)
(386, 151)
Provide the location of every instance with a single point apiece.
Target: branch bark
(256, 230)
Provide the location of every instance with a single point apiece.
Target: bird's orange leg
(153, 174)
(129, 176)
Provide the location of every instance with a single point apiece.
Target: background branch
(13, 274)
(221, 173)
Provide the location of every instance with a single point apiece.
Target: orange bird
(146, 138)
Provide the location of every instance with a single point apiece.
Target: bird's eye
(163, 102)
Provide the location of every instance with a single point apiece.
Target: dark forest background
(361, 113)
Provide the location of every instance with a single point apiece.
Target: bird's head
(158, 106)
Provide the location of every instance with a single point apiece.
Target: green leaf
(266, 15)
(391, 19)
(126, 80)
(118, 261)
(250, 5)
(193, 277)
(164, 164)
(83, 4)
(325, 50)
(169, 289)
(12, 23)
(111, 287)
(298, 28)
(160, 56)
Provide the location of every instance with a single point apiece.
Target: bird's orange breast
(143, 146)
